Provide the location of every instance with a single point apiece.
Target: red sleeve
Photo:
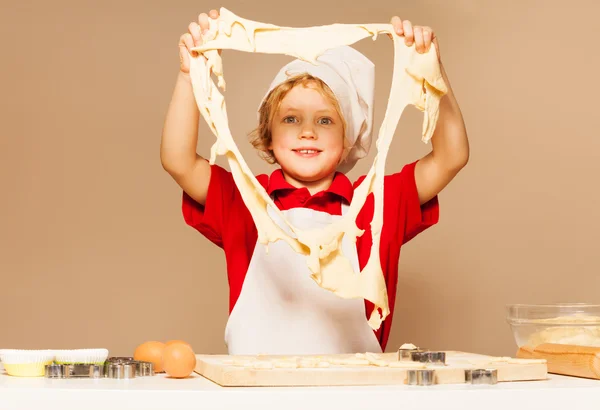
(403, 215)
(209, 219)
(402, 201)
(403, 219)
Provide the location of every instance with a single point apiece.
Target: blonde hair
(261, 137)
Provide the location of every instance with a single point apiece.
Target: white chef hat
(351, 77)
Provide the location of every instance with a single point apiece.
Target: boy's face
(307, 135)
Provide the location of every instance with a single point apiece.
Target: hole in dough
(417, 80)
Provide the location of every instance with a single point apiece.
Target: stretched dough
(417, 80)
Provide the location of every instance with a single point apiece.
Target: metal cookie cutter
(67, 371)
(141, 368)
(121, 370)
(481, 376)
(404, 354)
(120, 359)
(436, 358)
(54, 371)
(144, 369)
(420, 377)
(93, 371)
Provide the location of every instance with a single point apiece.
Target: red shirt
(225, 220)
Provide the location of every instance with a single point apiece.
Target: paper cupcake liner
(81, 356)
(26, 363)
(27, 369)
(17, 356)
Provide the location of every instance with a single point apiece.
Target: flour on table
(499, 360)
(358, 360)
(417, 80)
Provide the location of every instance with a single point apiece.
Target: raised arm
(450, 145)
(449, 149)
(180, 132)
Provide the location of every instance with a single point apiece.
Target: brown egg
(179, 360)
(170, 342)
(151, 352)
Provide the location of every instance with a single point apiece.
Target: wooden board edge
(567, 360)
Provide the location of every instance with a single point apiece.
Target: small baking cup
(81, 356)
(26, 363)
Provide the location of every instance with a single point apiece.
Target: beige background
(94, 250)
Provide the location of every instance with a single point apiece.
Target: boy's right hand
(193, 38)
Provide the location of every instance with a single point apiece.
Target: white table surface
(196, 392)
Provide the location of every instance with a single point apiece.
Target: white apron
(281, 310)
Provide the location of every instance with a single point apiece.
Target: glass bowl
(561, 323)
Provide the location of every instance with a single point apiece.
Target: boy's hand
(193, 38)
(420, 36)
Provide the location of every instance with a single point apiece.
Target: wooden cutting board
(218, 369)
(570, 360)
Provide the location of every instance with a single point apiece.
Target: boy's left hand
(420, 36)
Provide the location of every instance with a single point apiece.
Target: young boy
(315, 123)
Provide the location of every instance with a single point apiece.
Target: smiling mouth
(307, 152)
